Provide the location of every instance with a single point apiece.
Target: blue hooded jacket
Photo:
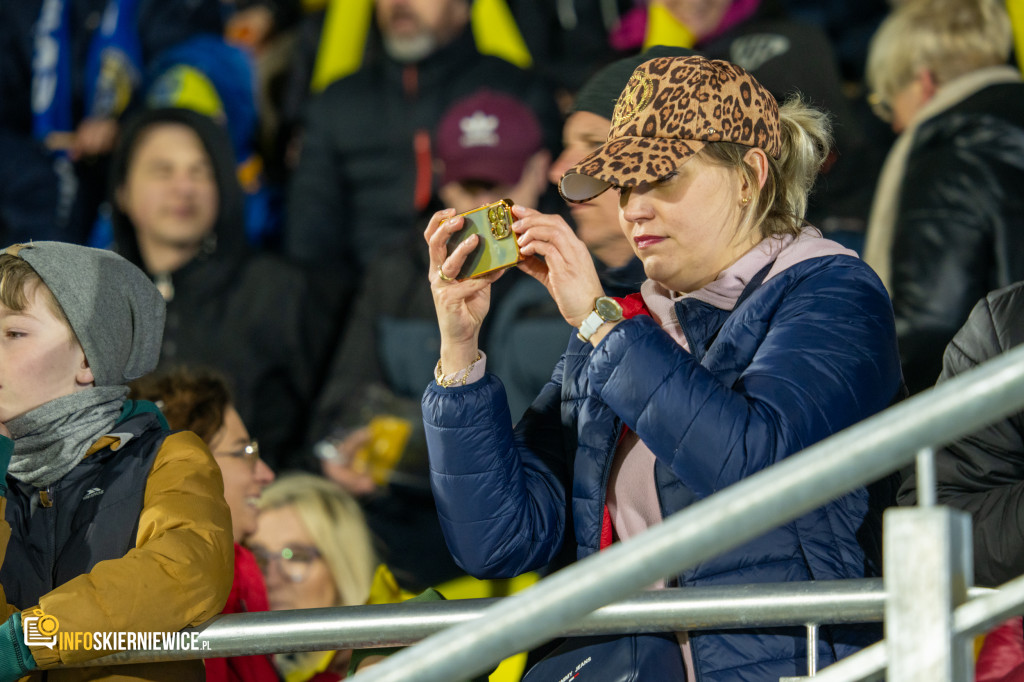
(807, 354)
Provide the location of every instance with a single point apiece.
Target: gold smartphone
(498, 247)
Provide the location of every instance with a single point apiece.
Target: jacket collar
(435, 70)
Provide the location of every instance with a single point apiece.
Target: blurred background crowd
(271, 164)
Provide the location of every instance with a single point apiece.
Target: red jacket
(1002, 654)
(248, 593)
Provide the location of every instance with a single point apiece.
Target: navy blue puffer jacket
(810, 352)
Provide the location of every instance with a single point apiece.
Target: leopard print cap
(670, 108)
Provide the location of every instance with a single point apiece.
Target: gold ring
(444, 277)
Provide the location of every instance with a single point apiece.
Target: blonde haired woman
(316, 551)
(336, 529)
(752, 338)
(947, 224)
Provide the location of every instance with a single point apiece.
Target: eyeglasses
(293, 562)
(250, 453)
(881, 108)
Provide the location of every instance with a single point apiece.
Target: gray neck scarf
(51, 439)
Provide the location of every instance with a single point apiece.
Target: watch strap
(589, 326)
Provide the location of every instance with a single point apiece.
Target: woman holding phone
(752, 338)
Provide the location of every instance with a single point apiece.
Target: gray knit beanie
(114, 309)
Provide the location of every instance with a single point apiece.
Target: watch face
(609, 309)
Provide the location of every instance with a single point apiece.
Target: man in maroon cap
(364, 171)
(487, 146)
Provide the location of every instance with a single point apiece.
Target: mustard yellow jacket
(178, 574)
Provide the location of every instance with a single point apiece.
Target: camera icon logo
(40, 629)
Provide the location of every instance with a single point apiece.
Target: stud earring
(745, 200)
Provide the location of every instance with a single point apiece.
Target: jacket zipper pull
(45, 499)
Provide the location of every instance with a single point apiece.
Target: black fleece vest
(93, 515)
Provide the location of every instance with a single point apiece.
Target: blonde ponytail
(780, 206)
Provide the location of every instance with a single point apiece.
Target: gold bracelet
(448, 382)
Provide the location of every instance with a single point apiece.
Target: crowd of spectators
(325, 151)
(270, 166)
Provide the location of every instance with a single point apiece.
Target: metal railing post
(812, 650)
(925, 469)
(928, 568)
(867, 665)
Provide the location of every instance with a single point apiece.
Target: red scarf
(248, 594)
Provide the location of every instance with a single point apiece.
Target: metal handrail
(387, 625)
(741, 512)
(823, 602)
(973, 618)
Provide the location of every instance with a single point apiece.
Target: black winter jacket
(959, 225)
(354, 189)
(983, 473)
(258, 319)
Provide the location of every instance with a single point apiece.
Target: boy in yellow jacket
(111, 523)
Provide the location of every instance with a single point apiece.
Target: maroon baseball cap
(488, 137)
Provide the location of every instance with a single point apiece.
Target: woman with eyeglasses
(198, 400)
(316, 551)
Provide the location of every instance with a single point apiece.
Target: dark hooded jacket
(354, 191)
(255, 317)
(983, 472)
